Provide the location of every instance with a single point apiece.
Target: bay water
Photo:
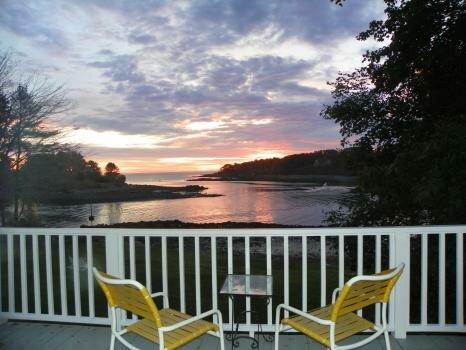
(242, 201)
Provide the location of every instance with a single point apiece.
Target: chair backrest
(362, 291)
(128, 295)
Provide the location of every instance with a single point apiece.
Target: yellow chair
(169, 328)
(337, 321)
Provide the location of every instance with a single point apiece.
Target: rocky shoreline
(181, 224)
(124, 194)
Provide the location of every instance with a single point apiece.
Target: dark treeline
(67, 171)
(325, 162)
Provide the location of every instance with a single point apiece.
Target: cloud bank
(220, 80)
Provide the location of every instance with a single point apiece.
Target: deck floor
(28, 335)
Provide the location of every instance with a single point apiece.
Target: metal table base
(235, 335)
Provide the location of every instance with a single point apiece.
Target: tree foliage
(325, 162)
(403, 113)
(25, 109)
(112, 174)
(62, 171)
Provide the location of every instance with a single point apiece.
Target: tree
(47, 174)
(5, 140)
(24, 111)
(93, 170)
(111, 169)
(403, 113)
(112, 174)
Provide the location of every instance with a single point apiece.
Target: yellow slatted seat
(337, 321)
(345, 327)
(177, 338)
(169, 328)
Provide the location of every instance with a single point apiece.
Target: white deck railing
(45, 274)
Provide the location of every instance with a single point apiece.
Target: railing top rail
(224, 232)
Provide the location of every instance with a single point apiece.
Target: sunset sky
(161, 86)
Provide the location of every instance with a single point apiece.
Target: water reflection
(283, 203)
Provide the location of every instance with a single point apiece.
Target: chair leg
(277, 332)
(222, 341)
(112, 341)
(387, 339)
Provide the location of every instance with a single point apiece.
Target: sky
(162, 86)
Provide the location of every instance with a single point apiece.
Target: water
(261, 201)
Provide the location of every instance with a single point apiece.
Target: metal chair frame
(117, 332)
(336, 303)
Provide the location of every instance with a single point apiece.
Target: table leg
(267, 337)
(234, 337)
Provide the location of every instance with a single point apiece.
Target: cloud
(141, 38)
(21, 19)
(120, 68)
(201, 78)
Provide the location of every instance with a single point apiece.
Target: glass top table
(248, 285)
(236, 286)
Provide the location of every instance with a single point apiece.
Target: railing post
(114, 261)
(401, 296)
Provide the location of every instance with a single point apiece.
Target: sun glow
(203, 125)
(111, 139)
(266, 154)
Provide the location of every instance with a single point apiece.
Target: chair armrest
(334, 294)
(301, 313)
(193, 319)
(161, 294)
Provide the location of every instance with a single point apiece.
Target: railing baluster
(459, 280)
(181, 262)
(442, 282)
(11, 274)
(230, 271)
(304, 273)
(35, 263)
(391, 263)
(132, 264)
(62, 264)
(213, 251)
(323, 271)
(378, 268)
(77, 281)
(197, 273)
(147, 259)
(1, 279)
(23, 269)
(268, 252)
(341, 260)
(360, 261)
(247, 270)
(90, 277)
(48, 270)
(424, 276)
(164, 268)
(286, 273)
(122, 268)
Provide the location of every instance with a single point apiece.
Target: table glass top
(247, 285)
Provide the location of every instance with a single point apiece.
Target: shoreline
(333, 180)
(192, 225)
